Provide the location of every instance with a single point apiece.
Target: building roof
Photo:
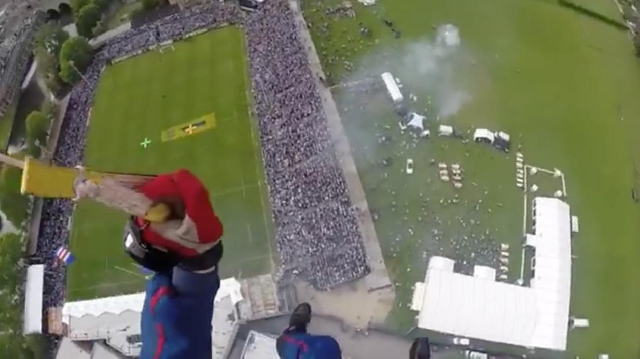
(481, 308)
(70, 350)
(117, 319)
(32, 318)
(259, 346)
(101, 351)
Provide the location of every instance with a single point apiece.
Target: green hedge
(12, 343)
(12, 202)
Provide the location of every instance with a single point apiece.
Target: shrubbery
(12, 343)
(49, 41)
(75, 57)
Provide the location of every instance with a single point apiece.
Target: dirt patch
(351, 302)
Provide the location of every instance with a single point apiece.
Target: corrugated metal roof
(100, 351)
(70, 350)
(115, 318)
(259, 346)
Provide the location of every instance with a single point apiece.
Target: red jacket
(200, 230)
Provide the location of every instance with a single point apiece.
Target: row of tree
(89, 16)
(12, 268)
(61, 59)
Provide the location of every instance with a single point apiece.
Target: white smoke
(433, 69)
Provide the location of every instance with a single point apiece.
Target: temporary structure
(416, 121)
(483, 135)
(444, 130)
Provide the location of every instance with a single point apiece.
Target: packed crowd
(317, 233)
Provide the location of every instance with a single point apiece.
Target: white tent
(444, 130)
(416, 121)
(483, 135)
(392, 87)
(442, 263)
(533, 317)
(32, 319)
(484, 272)
(503, 135)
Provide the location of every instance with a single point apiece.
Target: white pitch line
(130, 272)
(244, 191)
(260, 192)
(249, 232)
(235, 189)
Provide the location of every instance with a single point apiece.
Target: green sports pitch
(142, 98)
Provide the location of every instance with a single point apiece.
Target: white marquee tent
(392, 87)
(481, 308)
(32, 320)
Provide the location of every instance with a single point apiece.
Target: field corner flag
(64, 255)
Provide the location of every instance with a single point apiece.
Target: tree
(87, 19)
(10, 254)
(47, 62)
(37, 125)
(75, 56)
(10, 179)
(12, 202)
(77, 5)
(150, 4)
(101, 4)
(100, 28)
(54, 83)
(50, 38)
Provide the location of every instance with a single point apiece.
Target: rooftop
(116, 320)
(479, 307)
(260, 346)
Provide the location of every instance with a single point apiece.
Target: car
(409, 168)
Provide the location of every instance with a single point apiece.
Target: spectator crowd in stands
(316, 230)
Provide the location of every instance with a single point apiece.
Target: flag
(64, 255)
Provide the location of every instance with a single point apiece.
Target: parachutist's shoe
(300, 317)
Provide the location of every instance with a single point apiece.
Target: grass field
(143, 96)
(564, 85)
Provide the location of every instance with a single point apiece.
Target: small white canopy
(579, 323)
(482, 134)
(32, 320)
(503, 135)
(418, 296)
(441, 263)
(484, 272)
(416, 121)
(392, 87)
(444, 130)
